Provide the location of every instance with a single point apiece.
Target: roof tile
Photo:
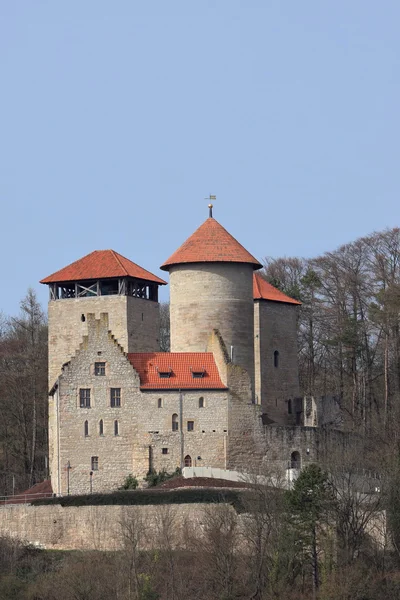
(180, 365)
(102, 264)
(210, 243)
(262, 290)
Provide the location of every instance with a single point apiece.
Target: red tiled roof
(37, 492)
(262, 290)
(102, 264)
(211, 243)
(180, 366)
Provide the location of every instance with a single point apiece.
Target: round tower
(211, 287)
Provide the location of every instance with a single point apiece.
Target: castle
(118, 405)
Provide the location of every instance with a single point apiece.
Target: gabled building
(119, 406)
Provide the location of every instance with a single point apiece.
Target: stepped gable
(211, 243)
(176, 370)
(102, 264)
(262, 290)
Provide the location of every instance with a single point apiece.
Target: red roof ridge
(211, 242)
(118, 260)
(263, 290)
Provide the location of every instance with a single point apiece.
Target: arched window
(295, 460)
(86, 428)
(101, 427)
(188, 461)
(276, 359)
(160, 403)
(116, 428)
(201, 402)
(175, 426)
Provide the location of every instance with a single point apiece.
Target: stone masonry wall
(133, 321)
(212, 296)
(145, 438)
(94, 527)
(276, 330)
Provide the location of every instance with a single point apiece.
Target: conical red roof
(210, 243)
(262, 290)
(102, 264)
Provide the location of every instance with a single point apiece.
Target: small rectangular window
(198, 374)
(190, 425)
(165, 450)
(100, 368)
(115, 397)
(95, 463)
(84, 397)
(164, 374)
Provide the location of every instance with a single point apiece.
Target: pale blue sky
(118, 118)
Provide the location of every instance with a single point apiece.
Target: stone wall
(275, 330)
(133, 321)
(94, 527)
(212, 296)
(145, 438)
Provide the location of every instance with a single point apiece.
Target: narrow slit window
(101, 427)
(175, 425)
(201, 402)
(289, 407)
(116, 428)
(160, 403)
(276, 359)
(86, 429)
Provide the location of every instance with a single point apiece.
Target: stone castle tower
(101, 282)
(211, 287)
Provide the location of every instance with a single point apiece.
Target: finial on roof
(210, 206)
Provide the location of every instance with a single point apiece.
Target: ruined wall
(275, 329)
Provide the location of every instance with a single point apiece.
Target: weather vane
(210, 206)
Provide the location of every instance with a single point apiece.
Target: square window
(190, 425)
(84, 397)
(99, 368)
(165, 450)
(95, 463)
(115, 397)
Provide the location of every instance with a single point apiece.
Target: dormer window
(198, 373)
(164, 373)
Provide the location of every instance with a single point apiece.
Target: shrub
(130, 483)
(151, 496)
(153, 478)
